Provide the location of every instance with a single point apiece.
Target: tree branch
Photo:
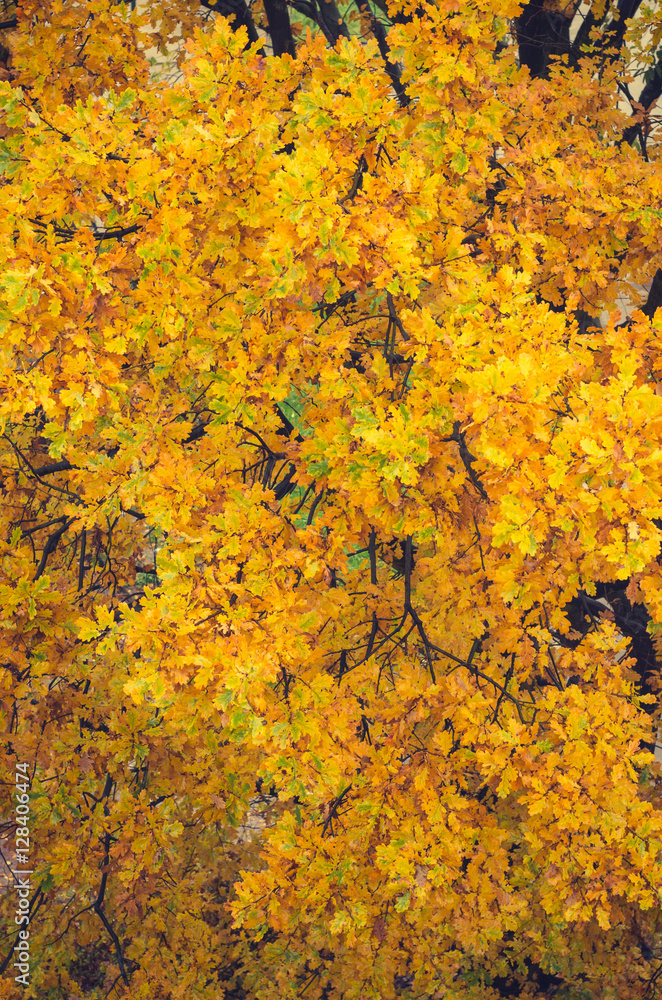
(541, 33)
(333, 809)
(280, 29)
(654, 300)
(392, 70)
(49, 470)
(467, 458)
(615, 34)
(65, 233)
(35, 903)
(647, 99)
(98, 904)
(51, 545)
(326, 16)
(81, 559)
(238, 13)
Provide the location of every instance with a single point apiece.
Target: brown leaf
(633, 590)
(379, 930)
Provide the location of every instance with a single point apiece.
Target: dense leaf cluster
(331, 497)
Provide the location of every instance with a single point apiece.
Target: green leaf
(460, 162)
(402, 902)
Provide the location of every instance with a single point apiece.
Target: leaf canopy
(331, 472)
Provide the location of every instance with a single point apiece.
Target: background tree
(331, 514)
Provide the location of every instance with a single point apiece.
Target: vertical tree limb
(392, 70)
(238, 13)
(280, 29)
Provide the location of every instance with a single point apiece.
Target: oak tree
(331, 514)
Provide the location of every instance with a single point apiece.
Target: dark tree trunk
(280, 29)
(540, 34)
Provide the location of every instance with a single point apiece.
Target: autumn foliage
(331, 498)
